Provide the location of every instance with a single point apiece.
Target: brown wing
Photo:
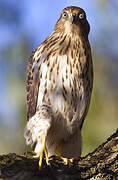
(33, 81)
(32, 85)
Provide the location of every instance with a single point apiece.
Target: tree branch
(102, 163)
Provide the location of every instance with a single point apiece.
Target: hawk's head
(73, 20)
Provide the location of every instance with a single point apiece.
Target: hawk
(59, 87)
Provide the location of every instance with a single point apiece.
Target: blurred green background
(23, 26)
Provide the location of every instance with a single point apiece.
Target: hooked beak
(72, 18)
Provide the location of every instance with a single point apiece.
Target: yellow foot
(71, 160)
(43, 153)
(65, 160)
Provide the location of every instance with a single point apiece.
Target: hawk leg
(36, 132)
(43, 152)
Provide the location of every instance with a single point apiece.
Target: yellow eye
(65, 15)
(81, 16)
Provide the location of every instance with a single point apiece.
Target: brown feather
(31, 87)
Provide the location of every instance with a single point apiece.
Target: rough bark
(102, 163)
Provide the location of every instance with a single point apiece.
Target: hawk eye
(81, 16)
(65, 15)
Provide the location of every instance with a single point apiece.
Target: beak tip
(72, 19)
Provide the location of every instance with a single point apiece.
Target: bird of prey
(59, 86)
